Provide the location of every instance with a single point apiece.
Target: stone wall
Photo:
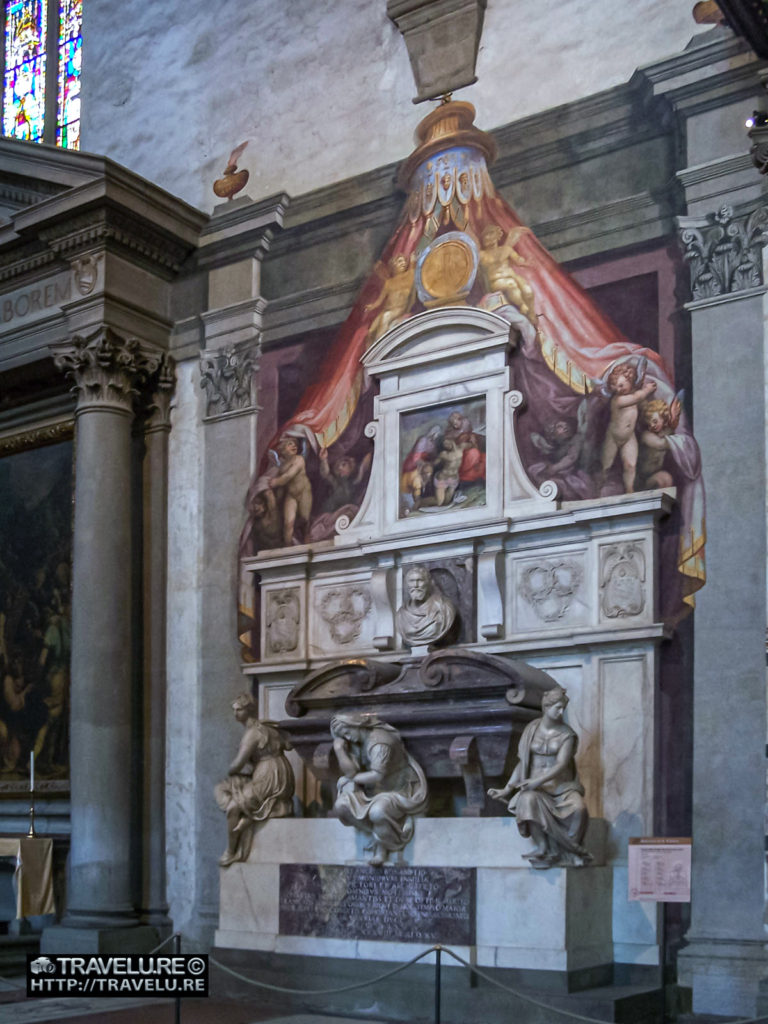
(191, 81)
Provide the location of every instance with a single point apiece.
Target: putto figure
(627, 388)
(548, 799)
(260, 783)
(395, 297)
(426, 615)
(497, 262)
(381, 787)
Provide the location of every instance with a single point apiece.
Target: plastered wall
(322, 88)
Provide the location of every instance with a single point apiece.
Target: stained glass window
(70, 55)
(24, 75)
(41, 70)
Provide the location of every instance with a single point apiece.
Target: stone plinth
(555, 920)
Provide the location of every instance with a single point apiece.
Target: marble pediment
(431, 337)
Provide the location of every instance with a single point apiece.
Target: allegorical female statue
(426, 615)
(260, 783)
(381, 787)
(548, 799)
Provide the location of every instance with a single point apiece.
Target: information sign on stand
(660, 869)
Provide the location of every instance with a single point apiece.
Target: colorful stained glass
(70, 57)
(24, 75)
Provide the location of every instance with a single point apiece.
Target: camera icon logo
(42, 966)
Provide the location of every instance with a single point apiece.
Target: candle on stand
(32, 771)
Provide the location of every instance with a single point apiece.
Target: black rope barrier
(325, 991)
(437, 950)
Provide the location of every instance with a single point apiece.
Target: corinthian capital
(227, 376)
(724, 251)
(107, 369)
(160, 388)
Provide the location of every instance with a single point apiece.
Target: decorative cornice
(227, 376)
(24, 195)
(108, 370)
(23, 259)
(138, 239)
(724, 251)
(241, 229)
(37, 438)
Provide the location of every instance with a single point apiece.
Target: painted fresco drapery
(562, 366)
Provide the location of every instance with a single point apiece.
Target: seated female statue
(381, 786)
(548, 799)
(260, 783)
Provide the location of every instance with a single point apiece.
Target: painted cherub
(344, 477)
(295, 484)
(624, 385)
(658, 420)
(266, 521)
(497, 262)
(413, 484)
(395, 297)
(562, 441)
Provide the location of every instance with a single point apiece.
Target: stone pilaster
(227, 375)
(724, 960)
(107, 370)
(157, 425)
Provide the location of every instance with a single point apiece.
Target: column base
(159, 920)
(63, 939)
(727, 976)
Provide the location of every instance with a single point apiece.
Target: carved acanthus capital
(228, 377)
(160, 388)
(108, 370)
(724, 252)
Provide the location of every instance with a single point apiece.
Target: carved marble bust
(427, 615)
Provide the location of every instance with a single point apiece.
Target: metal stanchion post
(437, 984)
(178, 998)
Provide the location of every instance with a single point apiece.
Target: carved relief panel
(282, 625)
(550, 591)
(342, 617)
(623, 585)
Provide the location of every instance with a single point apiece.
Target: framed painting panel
(36, 507)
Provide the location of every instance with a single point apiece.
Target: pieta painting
(35, 613)
(442, 457)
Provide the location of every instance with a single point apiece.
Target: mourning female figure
(381, 787)
(548, 799)
(260, 783)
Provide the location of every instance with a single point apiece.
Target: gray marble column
(107, 371)
(725, 961)
(157, 425)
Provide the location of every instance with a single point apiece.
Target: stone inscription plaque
(396, 904)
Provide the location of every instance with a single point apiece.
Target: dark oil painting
(36, 488)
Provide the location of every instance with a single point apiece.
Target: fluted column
(157, 426)
(107, 371)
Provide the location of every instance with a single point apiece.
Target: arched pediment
(438, 334)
